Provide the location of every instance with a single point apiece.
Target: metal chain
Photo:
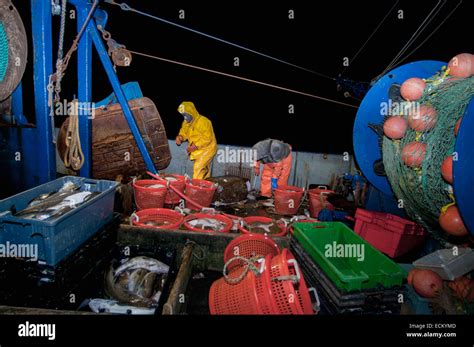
(59, 61)
(54, 88)
(119, 53)
(65, 62)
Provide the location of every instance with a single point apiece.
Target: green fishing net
(423, 191)
(3, 52)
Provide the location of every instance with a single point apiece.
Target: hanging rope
(73, 156)
(126, 7)
(242, 78)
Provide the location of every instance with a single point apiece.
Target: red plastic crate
(390, 234)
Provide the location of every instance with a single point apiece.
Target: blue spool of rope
(3, 52)
(423, 192)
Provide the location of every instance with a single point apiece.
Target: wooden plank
(175, 303)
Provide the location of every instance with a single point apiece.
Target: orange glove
(179, 140)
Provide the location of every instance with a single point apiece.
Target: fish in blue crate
(54, 204)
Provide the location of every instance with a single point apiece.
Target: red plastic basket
(146, 197)
(302, 291)
(248, 246)
(258, 219)
(252, 295)
(318, 200)
(390, 234)
(228, 223)
(169, 218)
(290, 297)
(171, 197)
(200, 191)
(288, 199)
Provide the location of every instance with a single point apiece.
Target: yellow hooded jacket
(198, 132)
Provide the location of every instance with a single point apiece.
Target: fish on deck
(138, 282)
(207, 224)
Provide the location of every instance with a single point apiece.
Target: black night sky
(321, 34)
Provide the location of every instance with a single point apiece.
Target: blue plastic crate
(58, 238)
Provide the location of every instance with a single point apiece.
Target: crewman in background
(276, 158)
(202, 145)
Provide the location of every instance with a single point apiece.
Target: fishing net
(422, 190)
(3, 52)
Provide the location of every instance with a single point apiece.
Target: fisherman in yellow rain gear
(202, 144)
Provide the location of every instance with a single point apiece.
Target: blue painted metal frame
(43, 150)
(366, 143)
(92, 37)
(84, 86)
(35, 144)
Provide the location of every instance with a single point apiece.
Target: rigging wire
(415, 35)
(430, 18)
(126, 7)
(241, 78)
(431, 34)
(371, 35)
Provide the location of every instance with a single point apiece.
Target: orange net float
(462, 65)
(413, 154)
(450, 221)
(413, 88)
(395, 127)
(447, 169)
(423, 118)
(456, 126)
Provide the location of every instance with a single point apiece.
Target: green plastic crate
(347, 269)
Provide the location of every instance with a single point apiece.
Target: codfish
(142, 262)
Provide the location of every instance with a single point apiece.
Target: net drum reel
(368, 144)
(13, 49)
